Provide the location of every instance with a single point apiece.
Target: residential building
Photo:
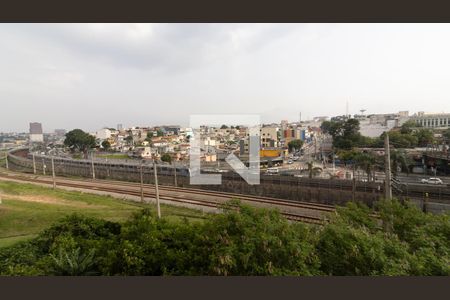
(36, 134)
(103, 134)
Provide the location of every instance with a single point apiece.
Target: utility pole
(6, 161)
(92, 163)
(142, 182)
(34, 165)
(353, 184)
(43, 166)
(157, 190)
(108, 167)
(334, 165)
(175, 173)
(388, 188)
(315, 147)
(53, 173)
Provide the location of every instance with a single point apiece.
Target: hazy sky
(93, 75)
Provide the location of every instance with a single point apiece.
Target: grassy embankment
(27, 209)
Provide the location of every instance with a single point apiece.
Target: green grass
(28, 209)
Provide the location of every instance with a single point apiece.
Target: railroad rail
(294, 211)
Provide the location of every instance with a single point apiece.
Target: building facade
(36, 133)
(441, 120)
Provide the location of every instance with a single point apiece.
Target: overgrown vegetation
(240, 241)
(346, 135)
(78, 140)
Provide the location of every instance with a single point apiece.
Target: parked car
(432, 180)
(290, 162)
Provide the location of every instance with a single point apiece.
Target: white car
(432, 180)
(290, 162)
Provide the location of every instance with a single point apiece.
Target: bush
(242, 240)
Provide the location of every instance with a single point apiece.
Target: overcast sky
(93, 75)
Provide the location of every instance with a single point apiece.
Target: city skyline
(93, 75)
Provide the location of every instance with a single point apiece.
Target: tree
(166, 157)
(401, 140)
(78, 140)
(446, 134)
(159, 132)
(345, 133)
(399, 160)
(425, 137)
(366, 161)
(295, 144)
(106, 145)
(129, 140)
(407, 127)
(223, 127)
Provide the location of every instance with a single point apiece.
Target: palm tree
(399, 159)
(366, 162)
(73, 262)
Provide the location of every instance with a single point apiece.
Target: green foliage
(166, 157)
(345, 133)
(72, 263)
(106, 145)
(399, 160)
(400, 140)
(248, 241)
(78, 140)
(129, 139)
(424, 137)
(366, 161)
(242, 240)
(223, 126)
(408, 127)
(295, 144)
(446, 134)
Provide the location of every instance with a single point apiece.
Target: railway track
(306, 212)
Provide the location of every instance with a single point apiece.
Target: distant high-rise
(119, 127)
(36, 134)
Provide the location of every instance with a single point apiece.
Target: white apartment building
(103, 134)
(432, 120)
(375, 125)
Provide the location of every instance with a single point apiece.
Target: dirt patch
(49, 200)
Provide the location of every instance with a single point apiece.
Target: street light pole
(53, 173)
(34, 165)
(157, 190)
(6, 161)
(175, 173)
(92, 163)
(142, 183)
(388, 188)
